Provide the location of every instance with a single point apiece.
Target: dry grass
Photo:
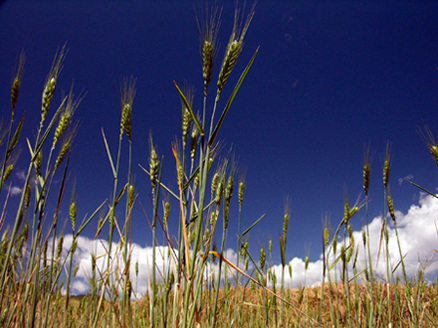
(307, 300)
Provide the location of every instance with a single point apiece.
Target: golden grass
(308, 300)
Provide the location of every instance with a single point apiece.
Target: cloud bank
(418, 235)
(417, 231)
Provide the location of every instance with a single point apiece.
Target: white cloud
(87, 248)
(80, 287)
(16, 191)
(417, 231)
(418, 237)
(21, 175)
(165, 260)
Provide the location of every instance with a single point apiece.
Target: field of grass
(198, 287)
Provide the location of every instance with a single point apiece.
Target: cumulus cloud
(139, 256)
(417, 231)
(418, 235)
(16, 191)
(21, 175)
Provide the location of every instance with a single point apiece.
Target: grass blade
(109, 154)
(421, 188)
(230, 101)
(14, 140)
(163, 185)
(252, 226)
(186, 103)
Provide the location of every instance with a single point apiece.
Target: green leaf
(398, 264)
(82, 227)
(121, 193)
(252, 226)
(227, 107)
(193, 176)
(14, 140)
(186, 103)
(164, 186)
(421, 188)
(109, 155)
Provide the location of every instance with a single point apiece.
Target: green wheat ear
(128, 91)
(430, 142)
(241, 192)
(366, 171)
(166, 213)
(66, 146)
(262, 258)
(73, 208)
(131, 196)
(27, 196)
(208, 30)
(50, 84)
(234, 47)
(7, 174)
(66, 116)
(390, 203)
(214, 183)
(386, 165)
(189, 92)
(15, 88)
(154, 163)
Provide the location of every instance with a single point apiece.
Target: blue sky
(329, 78)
